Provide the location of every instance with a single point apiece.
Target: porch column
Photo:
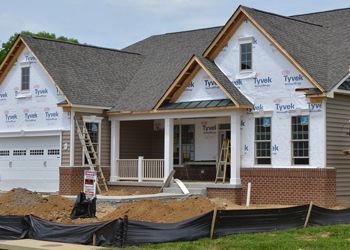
(235, 148)
(115, 148)
(168, 146)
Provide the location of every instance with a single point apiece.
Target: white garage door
(30, 162)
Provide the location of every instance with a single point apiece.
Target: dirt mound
(23, 202)
(165, 211)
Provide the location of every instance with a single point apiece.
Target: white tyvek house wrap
(202, 88)
(37, 111)
(272, 90)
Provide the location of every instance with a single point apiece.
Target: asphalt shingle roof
(135, 78)
(87, 75)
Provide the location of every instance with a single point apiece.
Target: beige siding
(65, 152)
(105, 140)
(338, 116)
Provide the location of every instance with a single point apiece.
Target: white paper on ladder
(182, 186)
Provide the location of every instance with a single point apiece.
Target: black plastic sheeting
(12, 227)
(259, 220)
(147, 232)
(107, 232)
(325, 216)
(122, 232)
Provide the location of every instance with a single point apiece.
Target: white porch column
(115, 148)
(235, 148)
(71, 140)
(168, 146)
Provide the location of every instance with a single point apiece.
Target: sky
(119, 23)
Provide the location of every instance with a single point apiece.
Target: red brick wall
(72, 178)
(288, 186)
(232, 194)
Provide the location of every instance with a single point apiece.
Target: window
(246, 56)
(53, 152)
(25, 78)
(4, 152)
(19, 152)
(183, 143)
(300, 140)
(36, 152)
(263, 140)
(93, 130)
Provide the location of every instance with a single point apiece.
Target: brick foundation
(72, 178)
(288, 186)
(232, 194)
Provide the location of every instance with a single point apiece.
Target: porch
(147, 148)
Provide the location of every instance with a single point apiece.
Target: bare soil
(57, 208)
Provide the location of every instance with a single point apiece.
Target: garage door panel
(30, 162)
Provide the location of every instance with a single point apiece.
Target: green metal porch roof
(198, 104)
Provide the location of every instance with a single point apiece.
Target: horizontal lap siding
(105, 140)
(65, 152)
(338, 116)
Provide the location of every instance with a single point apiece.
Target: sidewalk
(41, 245)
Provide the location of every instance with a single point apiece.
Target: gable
(202, 88)
(31, 110)
(273, 80)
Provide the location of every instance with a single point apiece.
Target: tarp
(147, 232)
(259, 220)
(106, 232)
(325, 216)
(12, 227)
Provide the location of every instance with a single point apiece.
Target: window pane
(187, 142)
(246, 56)
(263, 140)
(300, 137)
(25, 78)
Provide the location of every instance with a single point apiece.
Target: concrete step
(174, 189)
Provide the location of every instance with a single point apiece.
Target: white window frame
(256, 141)
(245, 40)
(93, 119)
(299, 140)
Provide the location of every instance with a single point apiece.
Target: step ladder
(221, 164)
(91, 155)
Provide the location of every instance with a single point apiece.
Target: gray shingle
(224, 81)
(165, 56)
(87, 75)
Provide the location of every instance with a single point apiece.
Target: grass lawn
(318, 237)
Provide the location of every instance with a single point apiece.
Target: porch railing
(140, 169)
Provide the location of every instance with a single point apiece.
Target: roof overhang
(232, 25)
(335, 89)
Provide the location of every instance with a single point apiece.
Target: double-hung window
(300, 140)
(25, 83)
(263, 140)
(246, 57)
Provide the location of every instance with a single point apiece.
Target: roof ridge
(184, 31)
(319, 12)
(79, 44)
(286, 17)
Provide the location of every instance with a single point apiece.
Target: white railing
(127, 169)
(140, 169)
(153, 169)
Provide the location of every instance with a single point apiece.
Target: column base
(235, 181)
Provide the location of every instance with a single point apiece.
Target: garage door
(30, 162)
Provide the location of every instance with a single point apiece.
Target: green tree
(7, 45)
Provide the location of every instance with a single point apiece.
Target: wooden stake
(308, 215)
(213, 223)
(94, 239)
